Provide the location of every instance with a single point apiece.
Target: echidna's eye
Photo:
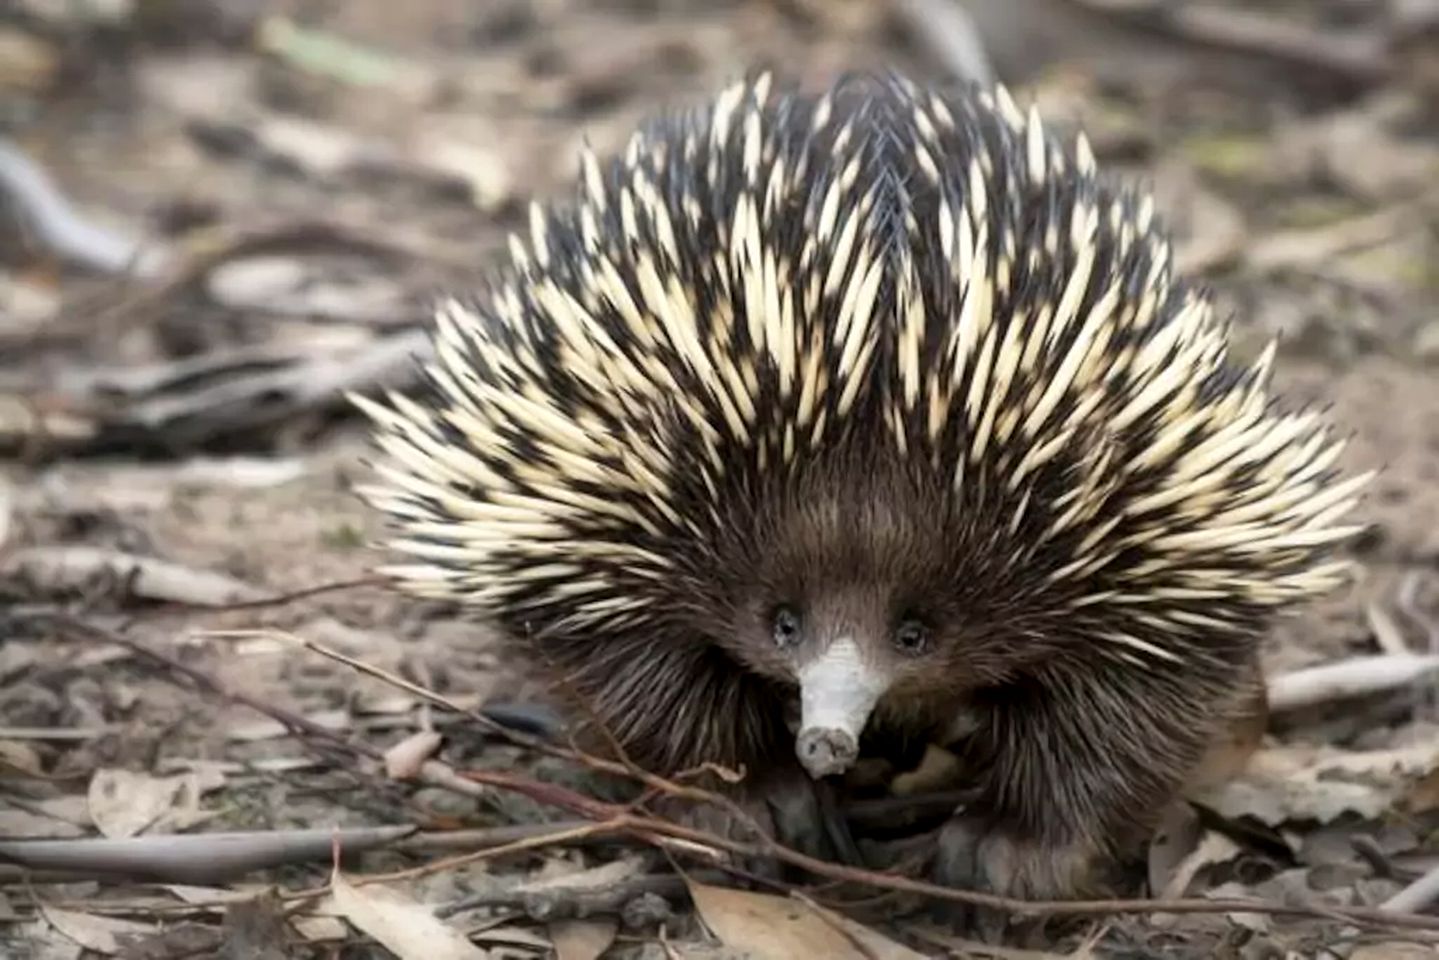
(911, 637)
(786, 627)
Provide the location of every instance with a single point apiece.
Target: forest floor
(262, 198)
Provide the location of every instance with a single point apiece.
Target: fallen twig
(1419, 895)
(280, 599)
(61, 229)
(202, 858)
(1355, 677)
(483, 837)
(67, 569)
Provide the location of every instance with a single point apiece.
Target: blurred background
(216, 216)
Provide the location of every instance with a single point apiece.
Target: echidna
(886, 402)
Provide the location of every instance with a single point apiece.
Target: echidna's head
(882, 393)
(853, 583)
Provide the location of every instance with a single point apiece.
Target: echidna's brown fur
(880, 356)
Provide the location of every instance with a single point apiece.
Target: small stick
(1419, 895)
(199, 859)
(1343, 679)
(60, 228)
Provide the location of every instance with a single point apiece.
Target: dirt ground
(258, 201)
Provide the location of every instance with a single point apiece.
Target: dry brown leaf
(581, 939)
(106, 935)
(1321, 783)
(1175, 838)
(561, 875)
(1394, 951)
(209, 895)
(123, 803)
(71, 567)
(36, 826)
(320, 929)
(1214, 848)
(19, 758)
(779, 928)
(406, 928)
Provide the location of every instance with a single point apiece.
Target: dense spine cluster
(758, 282)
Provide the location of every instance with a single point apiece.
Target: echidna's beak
(837, 692)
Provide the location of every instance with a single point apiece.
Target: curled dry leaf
(406, 928)
(404, 760)
(1176, 837)
(1215, 848)
(777, 928)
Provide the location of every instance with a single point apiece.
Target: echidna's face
(853, 590)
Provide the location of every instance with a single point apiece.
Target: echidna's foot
(788, 808)
(738, 823)
(974, 854)
(808, 818)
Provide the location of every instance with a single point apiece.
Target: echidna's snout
(838, 691)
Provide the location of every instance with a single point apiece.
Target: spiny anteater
(887, 402)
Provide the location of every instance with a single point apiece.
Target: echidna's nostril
(824, 751)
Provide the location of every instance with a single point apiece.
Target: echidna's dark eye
(786, 627)
(911, 637)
